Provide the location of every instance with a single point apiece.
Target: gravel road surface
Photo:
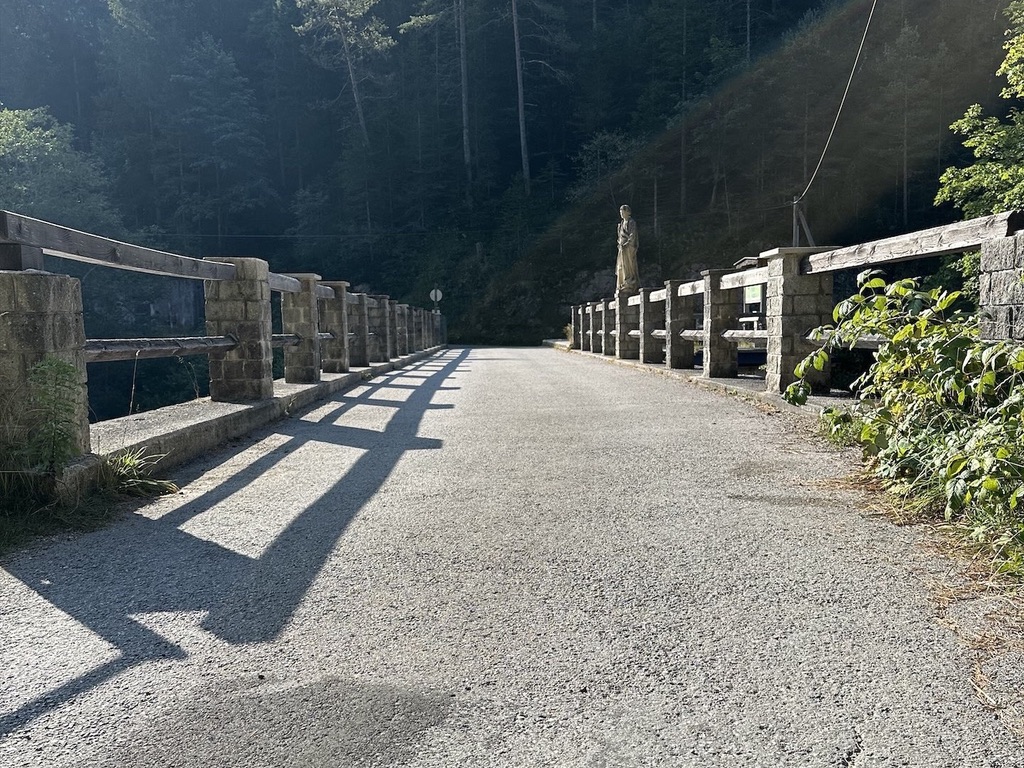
(496, 557)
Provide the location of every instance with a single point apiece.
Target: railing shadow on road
(147, 565)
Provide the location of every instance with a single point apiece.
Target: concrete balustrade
(334, 320)
(1001, 290)
(358, 331)
(796, 286)
(721, 314)
(417, 329)
(300, 315)
(606, 308)
(796, 304)
(596, 339)
(403, 329)
(40, 318)
(652, 319)
(380, 328)
(680, 316)
(241, 308)
(325, 330)
(392, 329)
(627, 320)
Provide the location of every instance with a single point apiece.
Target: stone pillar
(428, 329)
(596, 339)
(679, 316)
(241, 308)
(40, 317)
(652, 318)
(796, 304)
(380, 328)
(392, 329)
(414, 329)
(1002, 293)
(721, 313)
(403, 330)
(608, 342)
(300, 314)
(358, 330)
(334, 319)
(627, 318)
(584, 325)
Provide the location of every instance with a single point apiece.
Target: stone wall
(1001, 289)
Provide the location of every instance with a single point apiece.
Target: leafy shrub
(939, 410)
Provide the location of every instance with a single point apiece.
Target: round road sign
(436, 295)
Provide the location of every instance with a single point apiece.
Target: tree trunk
(906, 162)
(521, 101)
(748, 33)
(684, 127)
(354, 81)
(467, 157)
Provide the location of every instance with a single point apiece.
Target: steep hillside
(716, 184)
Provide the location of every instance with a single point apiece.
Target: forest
(481, 146)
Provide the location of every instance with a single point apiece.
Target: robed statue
(626, 273)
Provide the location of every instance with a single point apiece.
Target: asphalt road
(497, 557)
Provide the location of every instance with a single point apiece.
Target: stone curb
(810, 412)
(200, 434)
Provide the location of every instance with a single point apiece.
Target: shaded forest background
(480, 146)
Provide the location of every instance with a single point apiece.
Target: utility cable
(842, 104)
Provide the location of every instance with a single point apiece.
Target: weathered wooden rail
(660, 326)
(325, 327)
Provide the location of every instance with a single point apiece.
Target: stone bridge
(501, 557)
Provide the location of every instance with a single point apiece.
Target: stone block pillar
(334, 319)
(377, 315)
(40, 317)
(435, 327)
(652, 318)
(721, 313)
(415, 332)
(241, 308)
(1002, 292)
(300, 314)
(679, 316)
(392, 329)
(584, 323)
(627, 318)
(596, 339)
(608, 341)
(358, 330)
(403, 330)
(796, 304)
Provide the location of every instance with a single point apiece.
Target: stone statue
(626, 272)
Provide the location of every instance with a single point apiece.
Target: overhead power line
(842, 104)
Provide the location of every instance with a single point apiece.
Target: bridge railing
(661, 326)
(325, 327)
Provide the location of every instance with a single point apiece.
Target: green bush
(939, 410)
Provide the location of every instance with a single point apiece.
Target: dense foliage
(939, 412)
